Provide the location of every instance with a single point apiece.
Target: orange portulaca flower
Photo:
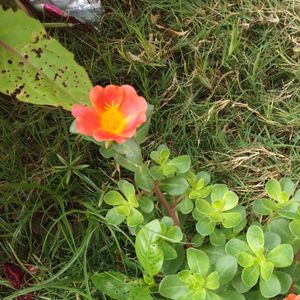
(116, 113)
(292, 297)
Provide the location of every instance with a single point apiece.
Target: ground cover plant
(223, 79)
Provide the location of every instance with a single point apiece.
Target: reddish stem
(297, 255)
(170, 210)
(296, 259)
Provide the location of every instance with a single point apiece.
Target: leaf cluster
(221, 258)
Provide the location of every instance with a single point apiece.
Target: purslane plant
(250, 261)
(259, 255)
(191, 235)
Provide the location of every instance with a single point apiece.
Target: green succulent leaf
(191, 177)
(294, 271)
(255, 239)
(210, 296)
(287, 185)
(231, 219)
(204, 207)
(148, 250)
(36, 68)
(146, 204)
(270, 288)
(156, 173)
(295, 228)
(245, 259)
(212, 281)
(168, 170)
(140, 292)
(125, 162)
(181, 163)
(283, 200)
(281, 227)
(205, 176)
(239, 284)
(113, 217)
(283, 197)
(297, 196)
(269, 203)
(218, 192)
(155, 156)
(263, 207)
(205, 226)
(198, 261)
(218, 205)
(129, 151)
(196, 214)
(164, 153)
(232, 295)
(235, 246)
(105, 152)
(213, 252)
(217, 237)
(273, 189)
(254, 295)
(281, 256)
(199, 184)
(197, 294)
(289, 211)
(241, 225)
(169, 252)
(226, 266)
(285, 280)
(143, 178)
(174, 265)
(250, 275)
(186, 206)
(202, 193)
(272, 240)
(113, 284)
(114, 198)
(128, 191)
(197, 240)
(142, 132)
(173, 288)
(266, 270)
(123, 210)
(175, 186)
(135, 218)
(174, 234)
(186, 276)
(231, 200)
(167, 221)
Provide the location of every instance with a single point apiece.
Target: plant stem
(296, 259)
(170, 210)
(297, 255)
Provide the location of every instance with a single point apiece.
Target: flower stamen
(112, 120)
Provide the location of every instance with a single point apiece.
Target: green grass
(224, 79)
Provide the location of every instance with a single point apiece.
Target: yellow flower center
(112, 120)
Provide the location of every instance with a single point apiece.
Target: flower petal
(132, 123)
(100, 96)
(134, 108)
(87, 119)
(101, 135)
(132, 104)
